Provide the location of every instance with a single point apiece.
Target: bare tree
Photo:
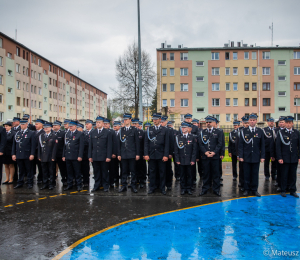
(127, 74)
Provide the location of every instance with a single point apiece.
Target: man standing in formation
(232, 149)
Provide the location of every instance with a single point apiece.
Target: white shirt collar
(252, 128)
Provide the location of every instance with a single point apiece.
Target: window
(235, 71)
(1, 81)
(50, 94)
(227, 56)
(27, 87)
(246, 86)
(215, 86)
(227, 117)
(215, 71)
(281, 62)
(1, 46)
(254, 102)
(200, 63)
(9, 55)
(235, 102)
(172, 102)
(184, 72)
(296, 101)
(296, 70)
(40, 91)
(281, 93)
(235, 116)
(266, 86)
(50, 107)
(49, 67)
(281, 109)
(18, 84)
(296, 54)
(266, 102)
(171, 56)
(10, 107)
(9, 90)
(235, 86)
(200, 94)
(184, 56)
(40, 76)
(184, 87)
(246, 102)
(253, 55)
(164, 56)
(266, 71)
(227, 102)
(18, 52)
(199, 78)
(45, 85)
(18, 101)
(9, 72)
(40, 105)
(254, 70)
(281, 78)
(184, 102)
(200, 109)
(234, 56)
(266, 117)
(215, 55)
(227, 86)
(1, 98)
(164, 87)
(1, 61)
(296, 86)
(18, 68)
(45, 99)
(39, 62)
(246, 55)
(216, 116)
(164, 102)
(181, 118)
(254, 86)
(246, 70)
(215, 102)
(164, 72)
(266, 55)
(27, 72)
(172, 72)
(172, 87)
(227, 71)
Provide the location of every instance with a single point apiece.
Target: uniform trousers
(157, 166)
(186, 177)
(25, 170)
(115, 169)
(85, 170)
(48, 169)
(74, 172)
(288, 176)
(267, 166)
(35, 162)
(101, 174)
(128, 166)
(241, 174)
(234, 165)
(62, 169)
(169, 173)
(141, 170)
(251, 171)
(211, 173)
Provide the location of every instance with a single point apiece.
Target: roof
(230, 48)
(23, 46)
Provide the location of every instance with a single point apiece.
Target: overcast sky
(89, 35)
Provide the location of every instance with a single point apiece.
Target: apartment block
(32, 84)
(228, 82)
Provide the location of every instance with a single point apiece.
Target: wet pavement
(41, 224)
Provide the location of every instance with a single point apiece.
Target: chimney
(162, 45)
(232, 44)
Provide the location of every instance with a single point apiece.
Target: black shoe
(242, 189)
(150, 191)
(202, 193)
(278, 189)
(51, 187)
(169, 188)
(217, 193)
(123, 189)
(294, 194)
(68, 188)
(65, 184)
(6, 182)
(267, 178)
(221, 183)
(105, 190)
(221, 178)
(18, 186)
(190, 192)
(194, 182)
(11, 182)
(112, 185)
(29, 186)
(246, 193)
(283, 194)
(274, 178)
(234, 179)
(240, 184)
(141, 186)
(85, 185)
(163, 192)
(93, 190)
(38, 182)
(255, 193)
(178, 179)
(79, 188)
(134, 190)
(44, 187)
(182, 192)
(276, 183)
(129, 185)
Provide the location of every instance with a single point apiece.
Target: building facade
(228, 82)
(31, 84)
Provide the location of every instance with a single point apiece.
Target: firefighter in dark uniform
(128, 152)
(185, 150)
(47, 147)
(60, 135)
(15, 128)
(85, 164)
(251, 153)
(147, 125)
(245, 120)
(288, 154)
(30, 126)
(222, 152)
(23, 152)
(66, 125)
(100, 154)
(157, 153)
(210, 144)
(269, 135)
(145, 133)
(140, 170)
(174, 132)
(36, 163)
(231, 148)
(188, 118)
(281, 126)
(193, 167)
(144, 166)
(3, 141)
(73, 154)
(195, 122)
(115, 163)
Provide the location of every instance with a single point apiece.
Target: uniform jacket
(273, 145)
(114, 141)
(269, 138)
(9, 142)
(195, 130)
(171, 140)
(3, 138)
(141, 136)
(100, 146)
(288, 153)
(159, 146)
(252, 152)
(185, 149)
(87, 137)
(232, 141)
(60, 134)
(128, 144)
(16, 129)
(24, 144)
(47, 147)
(74, 145)
(37, 135)
(222, 151)
(31, 127)
(213, 143)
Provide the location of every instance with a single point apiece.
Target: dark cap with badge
(281, 118)
(67, 121)
(156, 116)
(209, 119)
(73, 122)
(16, 119)
(271, 119)
(188, 115)
(185, 124)
(127, 116)
(253, 116)
(289, 119)
(56, 122)
(47, 124)
(23, 121)
(99, 118)
(164, 118)
(8, 123)
(236, 122)
(89, 121)
(135, 120)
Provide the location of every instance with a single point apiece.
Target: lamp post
(140, 65)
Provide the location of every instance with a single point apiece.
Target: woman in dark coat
(7, 158)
